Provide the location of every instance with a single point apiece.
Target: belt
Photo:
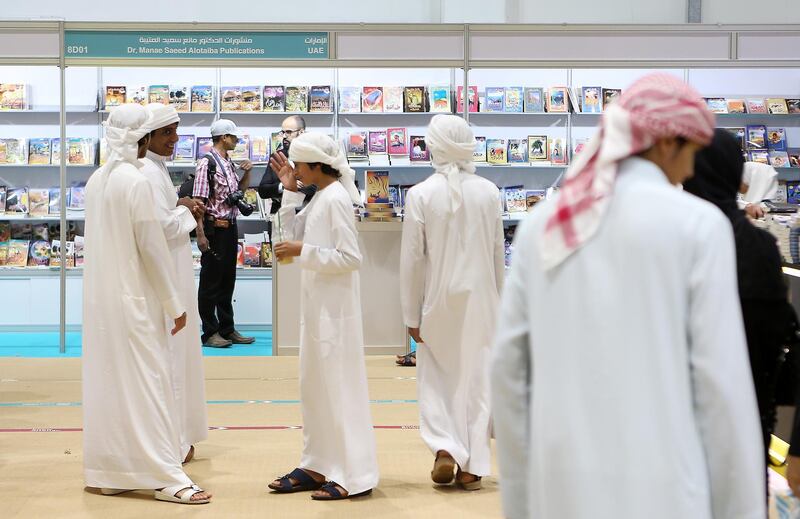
(222, 224)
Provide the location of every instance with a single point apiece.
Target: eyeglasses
(289, 133)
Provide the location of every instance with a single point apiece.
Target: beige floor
(40, 472)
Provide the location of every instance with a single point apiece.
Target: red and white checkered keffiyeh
(656, 106)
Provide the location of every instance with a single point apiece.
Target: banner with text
(196, 45)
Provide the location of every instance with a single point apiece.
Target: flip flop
(304, 479)
(475, 484)
(443, 469)
(406, 360)
(335, 495)
(169, 495)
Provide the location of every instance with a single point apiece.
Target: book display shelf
(534, 96)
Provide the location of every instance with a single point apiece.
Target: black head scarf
(717, 177)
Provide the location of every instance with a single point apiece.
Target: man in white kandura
(621, 387)
(451, 273)
(131, 435)
(178, 218)
(339, 442)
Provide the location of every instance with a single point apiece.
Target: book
(533, 197)
(77, 198)
(514, 99)
(55, 253)
(440, 99)
(242, 150)
(240, 253)
(794, 159)
(516, 201)
(609, 95)
(392, 99)
(115, 96)
(54, 201)
(419, 150)
(274, 99)
(2, 201)
(251, 99)
(736, 106)
(230, 99)
(377, 185)
(479, 153)
(158, 94)
(3, 253)
(776, 139)
(13, 96)
(39, 254)
(558, 155)
(357, 145)
(17, 200)
(40, 231)
(557, 100)
(79, 251)
(495, 99)
(579, 145)
(793, 106)
(259, 149)
(39, 202)
(414, 99)
(39, 151)
(534, 99)
(319, 98)
(756, 106)
(17, 255)
(275, 142)
(202, 98)
(138, 94)
(377, 142)
(517, 151)
(497, 151)
(717, 105)
(777, 106)
(297, 99)
(372, 99)
(265, 255)
(779, 159)
(756, 137)
(349, 100)
(394, 196)
(179, 98)
(80, 151)
(472, 95)
(739, 134)
(184, 149)
(204, 145)
(793, 192)
(760, 156)
(12, 151)
(396, 141)
(591, 100)
(5, 231)
(538, 148)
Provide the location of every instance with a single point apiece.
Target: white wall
(602, 11)
(747, 11)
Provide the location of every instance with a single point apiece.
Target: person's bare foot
(200, 496)
(189, 455)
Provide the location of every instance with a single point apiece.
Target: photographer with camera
(217, 185)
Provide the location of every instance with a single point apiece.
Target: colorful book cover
(472, 93)
(349, 100)
(179, 98)
(497, 151)
(591, 99)
(40, 231)
(12, 151)
(372, 99)
(184, 149)
(297, 99)
(495, 99)
(54, 205)
(533, 197)
(320, 98)
(756, 137)
(55, 253)
(115, 96)
(609, 95)
(2, 201)
(79, 251)
(756, 106)
(5, 231)
(259, 149)
(534, 99)
(794, 160)
(717, 105)
(240, 253)
(77, 198)
(776, 139)
(252, 255)
(517, 151)
(17, 200)
(779, 159)
(396, 138)
(514, 99)
(39, 202)
(242, 150)
(274, 99)
(79, 152)
(137, 95)
(394, 196)
(203, 98)
(39, 254)
(275, 142)
(377, 183)
(13, 96)
(736, 106)
(39, 151)
(440, 99)
(760, 156)
(265, 256)
(777, 106)
(357, 145)
(393, 99)
(479, 153)
(558, 154)
(377, 142)
(516, 201)
(538, 148)
(793, 106)
(230, 99)
(3, 253)
(793, 192)
(17, 255)
(419, 150)
(251, 99)
(158, 94)
(557, 100)
(204, 145)
(414, 99)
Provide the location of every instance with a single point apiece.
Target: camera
(237, 198)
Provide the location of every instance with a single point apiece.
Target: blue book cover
(776, 139)
(495, 99)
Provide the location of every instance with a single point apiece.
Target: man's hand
(754, 210)
(196, 207)
(288, 249)
(246, 166)
(414, 333)
(180, 324)
(281, 166)
(202, 243)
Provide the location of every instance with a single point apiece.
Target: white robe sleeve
(499, 248)
(724, 398)
(345, 255)
(292, 225)
(412, 262)
(510, 386)
(153, 251)
(178, 221)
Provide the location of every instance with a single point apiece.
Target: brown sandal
(443, 468)
(474, 484)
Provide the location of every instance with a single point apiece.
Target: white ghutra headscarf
(451, 143)
(313, 147)
(125, 126)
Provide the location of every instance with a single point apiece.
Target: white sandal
(169, 494)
